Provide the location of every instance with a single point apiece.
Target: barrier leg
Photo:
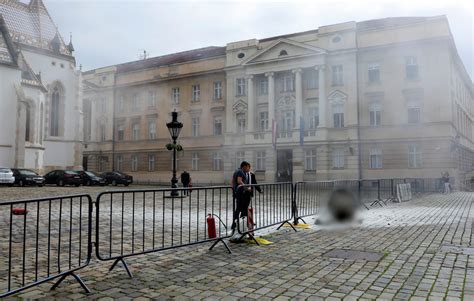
(124, 265)
(286, 222)
(252, 237)
(78, 279)
(297, 219)
(225, 245)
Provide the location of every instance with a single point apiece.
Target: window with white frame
(338, 158)
(310, 160)
(217, 126)
(151, 98)
(239, 157)
(195, 126)
(411, 67)
(287, 82)
(287, 121)
(313, 117)
(260, 159)
(120, 104)
(414, 156)
(136, 131)
(241, 123)
(241, 87)
(119, 163)
(263, 87)
(374, 72)
(338, 115)
(196, 90)
(217, 90)
(175, 95)
(413, 111)
(120, 132)
(195, 161)
(337, 75)
(134, 162)
(263, 121)
(312, 79)
(216, 161)
(375, 158)
(151, 162)
(152, 130)
(135, 103)
(102, 132)
(375, 109)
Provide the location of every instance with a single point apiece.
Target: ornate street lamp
(174, 127)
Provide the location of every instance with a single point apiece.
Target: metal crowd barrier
(309, 197)
(44, 239)
(274, 205)
(135, 222)
(49, 238)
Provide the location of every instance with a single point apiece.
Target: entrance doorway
(284, 165)
(84, 162)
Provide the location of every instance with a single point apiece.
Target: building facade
(373, 99)
(41, 107)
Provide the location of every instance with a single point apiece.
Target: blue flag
(301, 130)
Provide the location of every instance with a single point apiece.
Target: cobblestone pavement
(409, 234)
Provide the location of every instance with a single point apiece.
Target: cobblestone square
(410, 235)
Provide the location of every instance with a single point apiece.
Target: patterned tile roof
(7, 49)
(30, 24)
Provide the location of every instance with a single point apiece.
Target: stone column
(250, 105)
(270, 153)
(299, 97)
(322, 96)
(271, 97)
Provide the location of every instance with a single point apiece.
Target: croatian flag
(274, 133)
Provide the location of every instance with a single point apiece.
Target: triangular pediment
(240, 106)
(337, 97)
(283, 49)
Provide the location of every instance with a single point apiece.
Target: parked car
(25, 177)
(63, 177)
(90, 178)
(6, 176)
(116, 177)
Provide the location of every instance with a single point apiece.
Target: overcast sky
(107, 32)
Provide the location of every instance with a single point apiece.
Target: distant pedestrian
(185, 180)
(447, 185)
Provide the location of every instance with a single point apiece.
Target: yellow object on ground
(260, 240)
(300, 226)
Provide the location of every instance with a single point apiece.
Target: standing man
(447, 188)
(239, 179)
(185, 180)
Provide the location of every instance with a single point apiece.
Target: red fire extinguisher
(211, 226)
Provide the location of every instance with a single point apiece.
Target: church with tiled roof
(41, 94)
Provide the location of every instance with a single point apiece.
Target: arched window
(28, 124)
(283, 52)
(55, 112)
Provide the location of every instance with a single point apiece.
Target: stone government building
(373, 99)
